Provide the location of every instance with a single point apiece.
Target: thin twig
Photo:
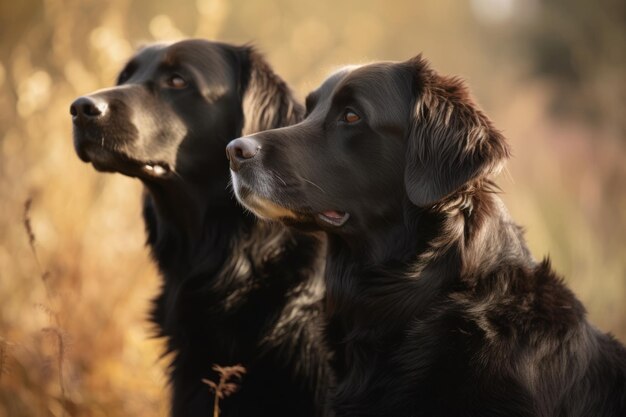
(225, 386)
(45, 275)
(3, 357)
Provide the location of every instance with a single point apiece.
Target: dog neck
(420, 262)
(192, 233)
(186, 206)
(187, 227)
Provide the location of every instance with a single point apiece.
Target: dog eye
(350, 117)
(176, 81)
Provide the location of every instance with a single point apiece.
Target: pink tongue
(332, 214)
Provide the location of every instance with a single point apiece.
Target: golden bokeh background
(74, 296)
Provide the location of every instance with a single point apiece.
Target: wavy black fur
(235, 290)
(436, 307)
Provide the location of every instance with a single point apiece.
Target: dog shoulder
(525, 323)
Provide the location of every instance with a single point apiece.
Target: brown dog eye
(176, 81)
(350, 117)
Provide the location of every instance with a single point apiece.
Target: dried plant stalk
(3, 357)
(56, 330)
(228, 384)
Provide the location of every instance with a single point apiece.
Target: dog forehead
(366, 80)
(332, 83)
(199, 52)
(381, 89)
(207, 60)
(147, 54)
(147, 58)
(380, 75)
(329, 85)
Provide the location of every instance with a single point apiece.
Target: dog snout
(88, 108)
(240, 150)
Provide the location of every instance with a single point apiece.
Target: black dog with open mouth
(235, 290)
(436, 306)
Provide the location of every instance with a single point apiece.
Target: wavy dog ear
(268, 102)
(451, 142)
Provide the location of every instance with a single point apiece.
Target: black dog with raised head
(436, 306)
(235, 290)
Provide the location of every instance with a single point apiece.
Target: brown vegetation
(75, 277)
(229, 376)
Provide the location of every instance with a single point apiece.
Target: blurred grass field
(74, 338)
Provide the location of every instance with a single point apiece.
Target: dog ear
(451, 142)
(268, 102)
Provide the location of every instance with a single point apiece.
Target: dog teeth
(159, 170)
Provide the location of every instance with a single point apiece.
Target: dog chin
(266, 209)
(102, 160)
(260, 206)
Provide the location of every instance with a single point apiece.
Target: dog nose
(88, 108)
(240, 150)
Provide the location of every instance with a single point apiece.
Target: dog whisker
(278, 177)
(314, 184)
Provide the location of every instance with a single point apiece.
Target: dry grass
(75, 277)
(228, 384)
(54, 330)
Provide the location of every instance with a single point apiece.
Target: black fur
(436, 306)
(234, 290)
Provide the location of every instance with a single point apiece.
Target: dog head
(376, 137)
(174, 108)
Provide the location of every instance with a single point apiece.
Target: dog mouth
(333, 217)
(105, 159)
(271, 208)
